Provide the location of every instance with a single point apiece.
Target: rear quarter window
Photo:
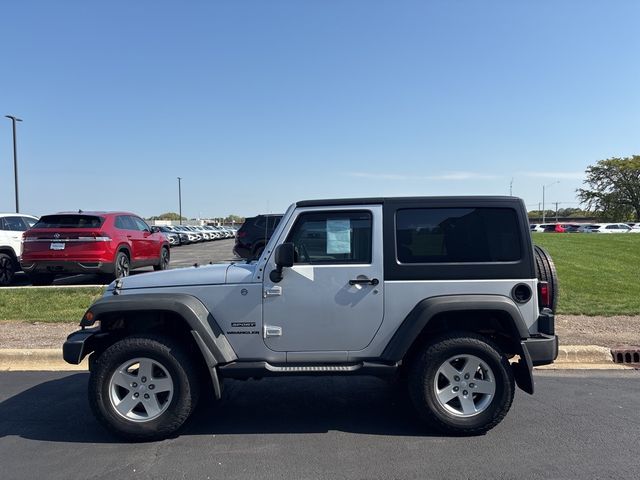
(457, 235)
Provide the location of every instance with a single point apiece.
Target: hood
(180, 277)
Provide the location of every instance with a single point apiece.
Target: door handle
(364, 281)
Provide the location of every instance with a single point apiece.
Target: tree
(233, 219)
(612, 188)
(168, 216)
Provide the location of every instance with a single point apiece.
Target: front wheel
(461, 384)
(143, 387)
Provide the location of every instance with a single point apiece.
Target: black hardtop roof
(485, 199)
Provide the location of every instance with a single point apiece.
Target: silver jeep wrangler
(448, 294)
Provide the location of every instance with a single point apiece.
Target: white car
(609, 228)
(11, 227)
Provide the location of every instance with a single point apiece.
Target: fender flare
(428, 308)
(211, 341)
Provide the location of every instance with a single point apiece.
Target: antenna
(511, 187)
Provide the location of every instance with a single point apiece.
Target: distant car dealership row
(91, 252)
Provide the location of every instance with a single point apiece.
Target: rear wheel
(546, 272)
(7, 269)
(164, 260)
(41, 279)
(122, 267)
(461, 384)
(143, 387)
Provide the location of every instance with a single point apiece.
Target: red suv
(112, 243)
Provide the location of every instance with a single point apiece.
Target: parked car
(111, 243)
(588, 228)
(223, 232)
(220, 234)
(609, 228)
(207, 234)
(254, 234)
(12, 225)
(561, 228)
(184, 238)
(187, 236)
(172, 237)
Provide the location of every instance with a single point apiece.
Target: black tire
(164, 260)
(173, 358)
(41, 279)
(546, 272)
(122, 265)
(422, 383)
(7, 269)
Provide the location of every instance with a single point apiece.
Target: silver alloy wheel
(464, 385)
(141, 389)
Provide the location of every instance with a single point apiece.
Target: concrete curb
(15, 359)
(569, 357)
(584, 354)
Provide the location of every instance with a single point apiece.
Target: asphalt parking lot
(577, 425)
(216, 251)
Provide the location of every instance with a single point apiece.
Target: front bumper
(79, 344)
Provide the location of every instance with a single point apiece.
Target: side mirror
(155, 229)
(284, 257)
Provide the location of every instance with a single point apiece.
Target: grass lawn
(598, 274)
(46, 304)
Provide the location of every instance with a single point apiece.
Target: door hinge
(272, 331)
(273, 292)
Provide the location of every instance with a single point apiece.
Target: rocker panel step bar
(245, 370)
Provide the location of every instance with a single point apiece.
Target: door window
(29, 221)
(124, 222)
(14, 224)
(332, 237)
(140, 224)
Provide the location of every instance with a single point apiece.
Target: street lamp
(15, 158)
(543, 188)
(180, 199)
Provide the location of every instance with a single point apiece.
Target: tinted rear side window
(457, 235)
(70, 221)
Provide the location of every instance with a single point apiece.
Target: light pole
(180, 199)
(15, 158)
(543, 188)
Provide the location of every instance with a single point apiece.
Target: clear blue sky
(257, 104)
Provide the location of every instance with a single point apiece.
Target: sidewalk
(584, 342)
